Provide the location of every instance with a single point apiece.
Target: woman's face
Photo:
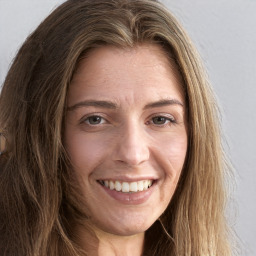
(126, 136)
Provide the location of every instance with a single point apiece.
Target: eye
(94, 120)
(159, 120)
(162, 120)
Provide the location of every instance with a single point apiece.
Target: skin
(140, 133)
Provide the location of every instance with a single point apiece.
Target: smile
(127, 187)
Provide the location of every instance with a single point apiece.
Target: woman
(112, 138)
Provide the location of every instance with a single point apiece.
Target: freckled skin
(126, 142)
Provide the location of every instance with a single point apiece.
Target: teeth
(118, 186)
(133, 186)
(111, 185)
(127, 187)
(145, 184)
(140, 185)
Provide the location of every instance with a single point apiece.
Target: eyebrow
(162, 103)
(112, 105)
(94, 103)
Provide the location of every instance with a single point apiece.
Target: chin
(127, 228)
(130, 231)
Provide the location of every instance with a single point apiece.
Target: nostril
(131, 146)
(133, 155)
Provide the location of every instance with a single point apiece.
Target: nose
(132, 146)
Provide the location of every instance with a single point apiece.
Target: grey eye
(93, 120)
(159, 120)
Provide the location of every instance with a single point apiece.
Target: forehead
(131, 73)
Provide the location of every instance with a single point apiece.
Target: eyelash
(86, 120)
(167, 120)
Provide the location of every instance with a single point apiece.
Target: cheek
(173, 150)
(176, 152)
(169, 155)
(171, 158)
(85, 152)
(175, 156)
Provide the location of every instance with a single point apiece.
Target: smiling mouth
(127, 187)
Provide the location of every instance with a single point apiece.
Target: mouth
(127, 187)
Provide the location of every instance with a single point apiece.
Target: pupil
(159, 120)
(95, 119)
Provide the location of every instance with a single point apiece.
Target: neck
(101, 243)
(121, 245)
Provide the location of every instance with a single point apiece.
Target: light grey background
(224, 32)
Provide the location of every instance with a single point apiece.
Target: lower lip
(130, 198)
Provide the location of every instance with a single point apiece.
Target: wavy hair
(39, 201)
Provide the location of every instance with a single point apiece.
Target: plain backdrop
(224, 32)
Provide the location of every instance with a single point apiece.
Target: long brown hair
(38, 202)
